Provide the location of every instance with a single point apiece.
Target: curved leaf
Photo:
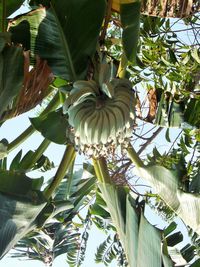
(11, 78)
(11, 183)
(165, 183)
(17, 219)
(130, 18)
(53, 126)
(57, 36)
(141, 240)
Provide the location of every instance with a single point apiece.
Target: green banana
(108, 90)
(92, 124)
(88, 128)
(81, 95)
(95, 134)
(106, 127)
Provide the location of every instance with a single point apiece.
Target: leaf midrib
(66, 49)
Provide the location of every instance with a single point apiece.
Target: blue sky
(10, 130)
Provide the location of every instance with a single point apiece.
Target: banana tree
(92, 111)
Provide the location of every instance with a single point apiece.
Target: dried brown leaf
(152, 105)
(35, 86)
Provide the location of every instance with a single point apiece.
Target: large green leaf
(130, 18)
(20, 204)
(11, 78)
(23, 208)
(74, 188)
(17, 219)
(66, 34)
(171, 113)
(149, 246)
(141, 240)
(11, 183)
(165, 183)
(53, 126)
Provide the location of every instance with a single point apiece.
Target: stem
(121, 73)
(70, 180)
(38, 153)
(134, 156)
(97, 171)
(66, 50)
(21, 138)
(30, 130)
(67, 160)
(149, 140)
(101, 169)
(106, 20)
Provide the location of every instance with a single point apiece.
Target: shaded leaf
(130, 19)
(67, 55)
(11, 78)
(188, 252)
(170, 228)
(195, 183)
(53, 126)
(167, 135)
(17, 219)
(196, 263)
(19, 207)
(11, 181)
(174, 239)
(141, 241)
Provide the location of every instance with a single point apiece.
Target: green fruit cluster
(101, 116)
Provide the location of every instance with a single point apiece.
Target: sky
(13, 128)
(10, 130)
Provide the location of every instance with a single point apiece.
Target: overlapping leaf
(53, 126)
(141, 241)
(170, 113)
(165, 183)
(57, 36)
(19, 207)
(130, 19)
(11, 78)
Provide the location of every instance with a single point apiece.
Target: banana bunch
(101, 116)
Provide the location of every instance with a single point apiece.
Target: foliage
(109, 250)
(52, 47)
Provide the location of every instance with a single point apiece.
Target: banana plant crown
(101, 115)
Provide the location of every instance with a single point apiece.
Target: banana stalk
(141, 241)
(66, 162)
(30, 130)
(121, 73)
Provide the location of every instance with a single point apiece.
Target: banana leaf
(130, 19)
(11, 78)
(182, 114)
(52, 126)
(165, 183)
(74, 189)
(20, 203)
(141, 240)
(67, 43)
